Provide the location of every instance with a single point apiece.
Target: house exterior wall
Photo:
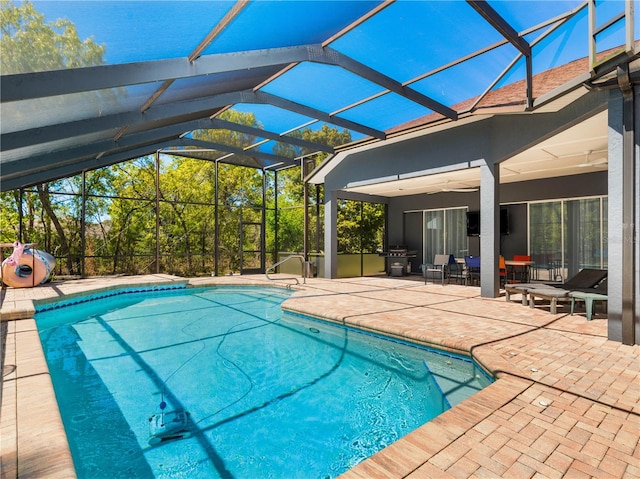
(486, 141)
(513, 194)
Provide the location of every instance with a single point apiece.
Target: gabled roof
(370, 67)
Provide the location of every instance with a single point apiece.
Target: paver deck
(565, 403)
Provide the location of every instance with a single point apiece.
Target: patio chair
(503, 272)
(472, 264)
(440, 267)
(598, 293)
(585, 281)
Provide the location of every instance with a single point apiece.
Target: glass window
(605, 232)
(456, 232)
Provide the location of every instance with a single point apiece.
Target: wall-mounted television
(473, 222)
(504, 221)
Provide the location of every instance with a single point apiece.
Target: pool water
(269, 394)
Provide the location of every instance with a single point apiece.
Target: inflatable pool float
(27, 267)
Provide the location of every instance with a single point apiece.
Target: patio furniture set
(588, 285)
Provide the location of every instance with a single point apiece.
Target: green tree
(239, 190)
(360, 226)
(10, 207)
(291, 193)
(29, 43)
(131, 235)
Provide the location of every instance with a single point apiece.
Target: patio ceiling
(372, 68)
(580, 149)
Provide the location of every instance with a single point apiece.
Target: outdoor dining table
(525, 265)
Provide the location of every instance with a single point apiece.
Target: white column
(330, 234)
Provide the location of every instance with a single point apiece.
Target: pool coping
(27, 394)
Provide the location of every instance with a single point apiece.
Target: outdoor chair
(440, 267)
(472, 264)
(598, 293)
(503, 272)
(585, 281)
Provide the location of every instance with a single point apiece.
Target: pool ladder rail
(305, 268)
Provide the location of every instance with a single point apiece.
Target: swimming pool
(269, 394)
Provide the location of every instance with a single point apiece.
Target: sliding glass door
(445, 232)
(568, 235)
(545, 238)
(583, 226)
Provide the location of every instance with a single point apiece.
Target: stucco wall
(402, 229)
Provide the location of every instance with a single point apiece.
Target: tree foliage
(360, 227)
(30, 44)
(132, 210)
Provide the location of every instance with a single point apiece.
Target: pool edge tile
(439, 433)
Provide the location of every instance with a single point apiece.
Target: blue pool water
(269, 394)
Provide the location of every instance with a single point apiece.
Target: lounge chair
(599, 293)
(585, 281)
(523, 289)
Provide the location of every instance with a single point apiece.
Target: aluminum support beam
(25, 138)
(65, 170)
(235, 150)
(333, 57)
(266, 98)
(487, 12)
(60, 82)
(15, 168)
(227, 125)
(191, 110)
(25, 86)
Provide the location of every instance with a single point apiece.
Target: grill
(398, 251)
(398, 260)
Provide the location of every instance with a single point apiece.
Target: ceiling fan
(587, 162)
(447, 189)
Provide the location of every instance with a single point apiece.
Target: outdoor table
(526, 265)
